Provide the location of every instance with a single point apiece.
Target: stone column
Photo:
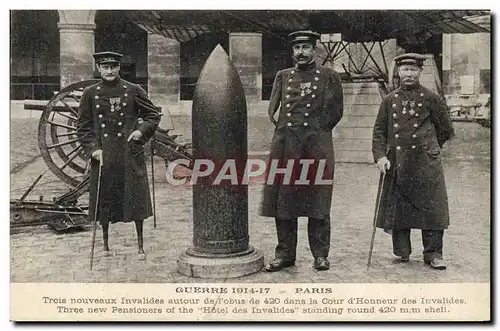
(465, 56)
(77, 47)
(76, 32)
(448, 87)
(245, 50)
(164, 65)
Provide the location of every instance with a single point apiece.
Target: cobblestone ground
(38, 254)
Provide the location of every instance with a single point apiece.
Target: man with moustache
(310, 102)
(412, 125)
(109, 128)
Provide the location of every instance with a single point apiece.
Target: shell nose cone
(219, 113)
(220, 73)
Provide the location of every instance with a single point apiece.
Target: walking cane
(95, 212)
(153, 181)
(377, 207)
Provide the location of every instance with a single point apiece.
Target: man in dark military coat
(109, 126)
(412, 125)
(310, 102)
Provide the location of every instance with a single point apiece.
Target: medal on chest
(115, 104)
(305, 88)
(409, 106)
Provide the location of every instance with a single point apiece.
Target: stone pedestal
(77, 48)
(192, 264)
(245, 50)
(220, 208)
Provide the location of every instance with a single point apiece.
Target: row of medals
(115, 104)
(412, 107)
(305, 88)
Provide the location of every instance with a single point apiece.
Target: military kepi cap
(107, 57)
(304, 36)
(410, 58)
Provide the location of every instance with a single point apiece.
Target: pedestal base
(219, 266)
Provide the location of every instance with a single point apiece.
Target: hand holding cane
(96, 208)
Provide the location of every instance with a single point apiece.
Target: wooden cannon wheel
(59, 145)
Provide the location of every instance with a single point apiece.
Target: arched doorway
(34, 49)
(194, 54)
(114, 32)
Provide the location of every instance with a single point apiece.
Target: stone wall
(352, 137)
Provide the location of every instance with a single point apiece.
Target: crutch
(95, 212)
(377, 207)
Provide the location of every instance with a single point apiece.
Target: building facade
(52, 49)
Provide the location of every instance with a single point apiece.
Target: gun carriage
(63, 154)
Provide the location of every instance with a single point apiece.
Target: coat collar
(113, 83)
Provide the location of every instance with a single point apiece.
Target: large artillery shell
(219, 134)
